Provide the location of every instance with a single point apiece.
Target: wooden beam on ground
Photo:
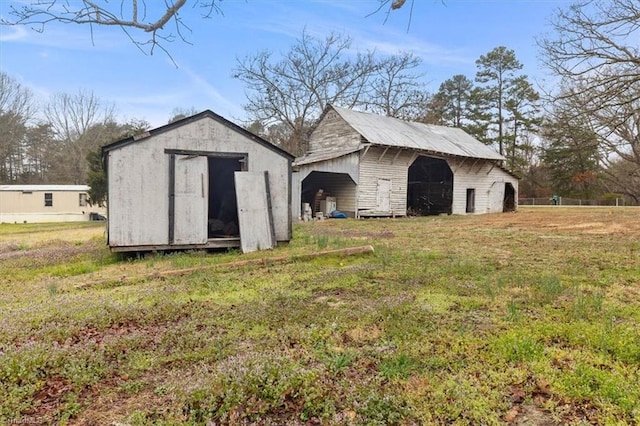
(263, 262)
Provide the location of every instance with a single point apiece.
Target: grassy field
(524, 318)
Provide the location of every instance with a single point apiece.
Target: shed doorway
(222, 216)
(430, 187)
(509, 198)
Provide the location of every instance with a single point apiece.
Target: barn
(200, 182)
(47, 203)
(363, 164)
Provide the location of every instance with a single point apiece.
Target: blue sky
(449, 36)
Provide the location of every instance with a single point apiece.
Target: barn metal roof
(315, 157)
(39, 188)
(388, 131)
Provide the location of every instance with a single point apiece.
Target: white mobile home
(46, 203)
(201, 182)
(370, 165)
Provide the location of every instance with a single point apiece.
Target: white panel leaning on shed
(254, 211)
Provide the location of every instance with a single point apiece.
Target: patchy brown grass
(524, 318)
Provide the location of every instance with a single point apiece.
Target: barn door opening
(430, 187)
(222, 215)
(509, 198)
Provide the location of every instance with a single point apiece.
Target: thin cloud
(16, 33)
(201, 85)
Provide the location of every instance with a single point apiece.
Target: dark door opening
(223, 210)
(430, 188)
(509, 204)
(324, 186)
(471, 200)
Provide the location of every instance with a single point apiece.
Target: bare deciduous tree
(295, 89)
(16, 109)
(71, 118)
(595, 49)
(397, 89)
(158, 22)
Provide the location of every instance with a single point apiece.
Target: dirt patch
(47, 401)
(567, 220)
(529, 414)
(54, 252)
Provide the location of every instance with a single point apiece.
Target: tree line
(580, 140)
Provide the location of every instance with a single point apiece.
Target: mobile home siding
(26, 203)
(488, 181)
(392, 165)
(139, 179)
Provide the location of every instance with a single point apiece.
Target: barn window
(48, 199)
(471, 200)
(82, 200)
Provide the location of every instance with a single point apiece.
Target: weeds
(438, 326)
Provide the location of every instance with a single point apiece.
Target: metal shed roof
(388, 131)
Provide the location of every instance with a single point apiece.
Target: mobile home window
(48, 199)
(83, 200)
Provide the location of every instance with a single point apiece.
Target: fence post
(559, 201)
(616, 201)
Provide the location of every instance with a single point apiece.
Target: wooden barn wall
(138, 176)
(487, 180)
(373, 166)
(346, 164)
(333, 132)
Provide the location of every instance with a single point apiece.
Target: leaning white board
(255, 218)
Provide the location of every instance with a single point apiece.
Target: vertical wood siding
(489, 183)
(138, 176)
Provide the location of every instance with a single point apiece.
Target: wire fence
(565, 201)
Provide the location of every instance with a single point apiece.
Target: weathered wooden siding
(333, 132)
(345, 164)
(377, 164)
(138, 207)
(139, 178)
(488, 181)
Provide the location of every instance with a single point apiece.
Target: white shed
(370, 165)
(200, 182)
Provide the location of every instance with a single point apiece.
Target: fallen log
(265, 261)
